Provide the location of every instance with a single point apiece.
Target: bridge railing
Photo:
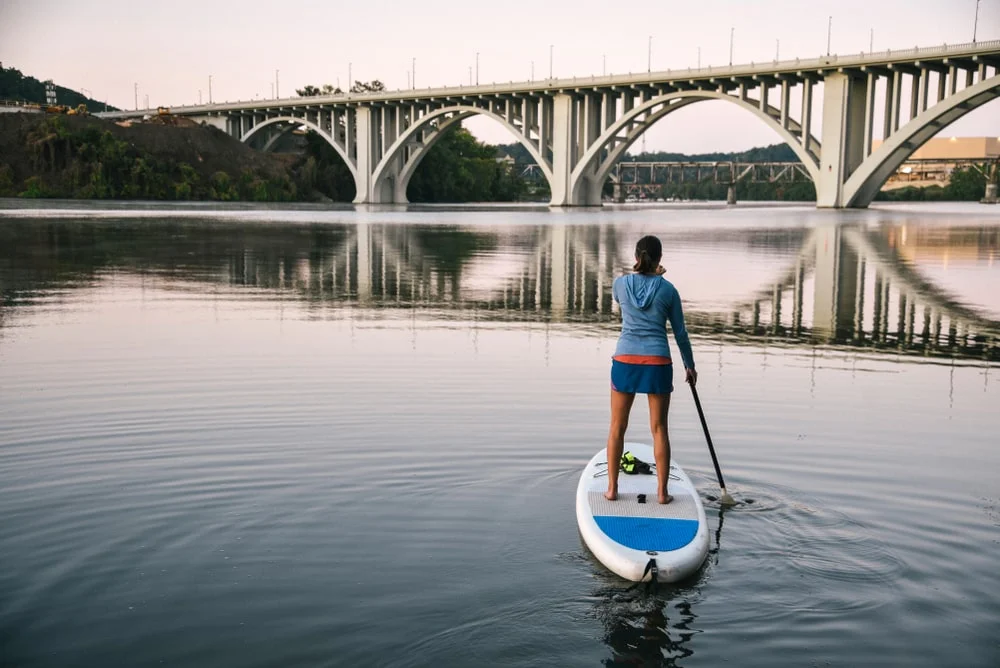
(709, 71)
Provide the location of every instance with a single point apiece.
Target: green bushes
(458, 168)
(7, 188)
(91, 163)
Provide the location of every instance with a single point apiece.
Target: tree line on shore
(15, 86)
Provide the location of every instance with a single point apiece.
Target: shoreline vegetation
(166, 158)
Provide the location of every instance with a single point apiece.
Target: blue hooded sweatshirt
(647, 303)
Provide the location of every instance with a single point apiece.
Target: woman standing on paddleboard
(642, 364)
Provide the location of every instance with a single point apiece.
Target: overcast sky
(171, 47)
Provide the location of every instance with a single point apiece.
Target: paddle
(725, 499)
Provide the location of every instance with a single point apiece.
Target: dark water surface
(253, 437)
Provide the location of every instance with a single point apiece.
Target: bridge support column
(589, 188)
(368, 136)
(731, 195)
(991, 194)
(843, 137)
(563, 150)
(366, 155)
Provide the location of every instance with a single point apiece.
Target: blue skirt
(642, 378)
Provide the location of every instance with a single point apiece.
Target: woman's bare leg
(659, 406)
(621, 404)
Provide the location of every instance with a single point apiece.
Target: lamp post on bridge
(829, 32)
(477, 68)
(413, 70)
(975, 23)
(277, 91)
(732, 32)
(210, 89)
(550, 59)
(649, 55)
(136, 91)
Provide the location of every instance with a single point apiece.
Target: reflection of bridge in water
(847, 286)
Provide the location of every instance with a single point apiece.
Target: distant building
(933, 163)
(959, 148)
(507, 161)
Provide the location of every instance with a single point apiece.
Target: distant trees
(459, 168)
(90, 162)
(966, 184)
(373, 86)
(313, 91)
(771, 153)
(14, 85)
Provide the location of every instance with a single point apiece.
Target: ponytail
(644, 264)
(648, 252)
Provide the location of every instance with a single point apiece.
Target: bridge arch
(866, 181)
(392, 175)
(588, 176)
(292, 120)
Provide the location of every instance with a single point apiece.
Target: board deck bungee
(629, 536)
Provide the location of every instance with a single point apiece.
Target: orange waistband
(653, 360)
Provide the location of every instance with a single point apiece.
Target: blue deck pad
(648, 533)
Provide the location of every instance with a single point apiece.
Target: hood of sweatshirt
(641, 289)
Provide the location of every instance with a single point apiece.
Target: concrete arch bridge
(576, 129)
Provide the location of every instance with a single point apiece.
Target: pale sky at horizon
(171, 48)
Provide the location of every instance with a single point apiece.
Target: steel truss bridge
(648, 178)
(577, 129)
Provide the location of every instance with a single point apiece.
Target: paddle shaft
(708, 437)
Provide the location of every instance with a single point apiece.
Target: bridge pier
(843, 137)
(991, 194)
(731, 194)
(365, 157)
(563, 150)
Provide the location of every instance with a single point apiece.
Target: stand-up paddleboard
(630, 537)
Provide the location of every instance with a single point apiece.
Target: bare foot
(665, 498)
(611, 495)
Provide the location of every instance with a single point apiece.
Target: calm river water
(263, 437)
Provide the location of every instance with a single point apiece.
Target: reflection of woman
(641, 363)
